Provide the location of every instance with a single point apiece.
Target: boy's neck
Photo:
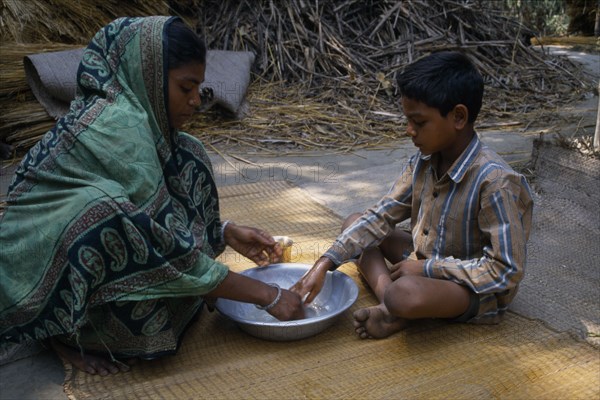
(447, 158)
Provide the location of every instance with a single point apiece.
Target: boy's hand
(312, 281)
(407, 267)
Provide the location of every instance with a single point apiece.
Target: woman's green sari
(112, 223)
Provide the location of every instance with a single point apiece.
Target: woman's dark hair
(443, 80)
(184, 46)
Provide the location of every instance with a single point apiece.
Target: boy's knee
(404, 298)
(350, 220)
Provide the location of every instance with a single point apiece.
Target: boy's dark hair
(184, 46)
(443, 80)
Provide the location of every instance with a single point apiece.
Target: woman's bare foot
(95, 365)
(376, 322)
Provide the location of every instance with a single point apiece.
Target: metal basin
(338, 294)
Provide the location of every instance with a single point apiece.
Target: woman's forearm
(242, 288)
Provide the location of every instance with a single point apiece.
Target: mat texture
(518, 359)
(563, 272)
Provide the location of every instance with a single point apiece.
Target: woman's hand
(239, 287)
(312, 281)
(289, 307)
(253, 243)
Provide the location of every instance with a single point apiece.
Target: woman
(112, 229)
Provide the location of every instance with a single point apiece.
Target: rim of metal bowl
(299, 322)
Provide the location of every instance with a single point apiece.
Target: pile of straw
(328, 69)
(286, 118)
(75, 21)
(36, 26)
(303, 40)
(325, 71)
(23, 119)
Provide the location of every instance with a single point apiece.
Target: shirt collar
(459, 168)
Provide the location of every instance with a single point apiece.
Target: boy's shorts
(472, 310)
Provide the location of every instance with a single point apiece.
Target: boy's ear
(461, 116)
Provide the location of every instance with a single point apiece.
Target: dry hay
(582, 144)
(286, 118)
(37, 26)
(339, 64)
(325, 72)
(23, 119)
(14, 85)
(316, 42)
(73, 21)
(588, 44)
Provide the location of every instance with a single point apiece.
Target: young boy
(470, 214)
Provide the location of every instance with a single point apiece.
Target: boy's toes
(361, 315)
(362, 332)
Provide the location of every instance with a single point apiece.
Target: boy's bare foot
(95, 365)
(376, 322)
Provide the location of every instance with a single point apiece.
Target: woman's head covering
(120, 109)
(110, 204)
(127, 57)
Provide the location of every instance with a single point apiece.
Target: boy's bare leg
(411, 297)
(89, 363)
(375, 272)
(372, 265)
(373, 268)
(416, 297)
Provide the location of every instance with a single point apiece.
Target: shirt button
(435, 194)
(425, 231)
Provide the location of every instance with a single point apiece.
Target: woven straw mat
(563, 275)
(520, 358)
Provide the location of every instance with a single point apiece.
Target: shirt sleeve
(504, 220)
(377, 222)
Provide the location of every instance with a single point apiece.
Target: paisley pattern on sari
(112, 226)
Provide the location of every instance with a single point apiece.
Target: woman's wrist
(225, 226)
(275, 300)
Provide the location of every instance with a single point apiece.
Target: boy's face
(431, 132)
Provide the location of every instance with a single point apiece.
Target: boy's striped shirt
(471, 225)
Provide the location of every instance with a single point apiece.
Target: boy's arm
(377, 222)
(504, 220)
